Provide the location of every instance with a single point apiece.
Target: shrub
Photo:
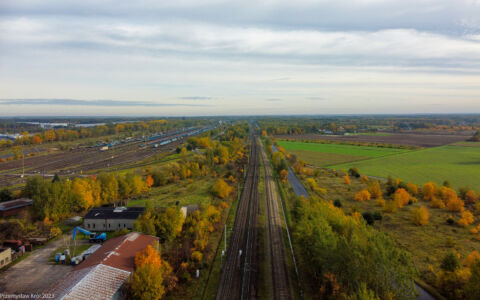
(437, 203)
(375, 190)
(466, 219)
(428, 191)
(450, 262)
(471, 197)
(353, 172)
(361, 196)
(450, 220)
(368, 216)
(337, 203)
(420, 216)
(346, 179)
(380, 202)
(412, 188)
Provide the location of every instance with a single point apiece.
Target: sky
(214, 57)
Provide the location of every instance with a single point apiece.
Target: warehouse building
(14, 207)
(103, 273)
(111, 218)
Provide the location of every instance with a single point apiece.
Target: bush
(354, 172)
(420, 216)
(368, 216)
(337, 203)
(361, 196)
(377, 216)
(450, 221)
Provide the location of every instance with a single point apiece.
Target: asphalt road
(35, 273)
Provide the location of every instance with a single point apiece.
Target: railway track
(238, 277)
(276, 245)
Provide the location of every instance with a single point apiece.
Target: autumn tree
(147, 282)
(412, 189)
(420, 216)
(361, 196)
(149, 180)
(284, 175)
(470, 197)
(466, 219)
(346, 179)
(221, 189)
(428, 191)
(375, 190)
(401, 197)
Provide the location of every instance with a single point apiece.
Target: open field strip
(459, 164)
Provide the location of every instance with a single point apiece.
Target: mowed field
(324, 155)
(457, 163)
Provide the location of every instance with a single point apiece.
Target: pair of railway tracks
(276, 246)
(237, 279)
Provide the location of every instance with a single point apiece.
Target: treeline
(60, 198)
(345, 259)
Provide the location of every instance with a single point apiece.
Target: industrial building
(103, 273)
(14, 207)
(111, 218)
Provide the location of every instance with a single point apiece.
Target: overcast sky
(194, 57)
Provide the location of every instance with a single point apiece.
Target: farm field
(459, 164)
(323, 155)
(404, 139)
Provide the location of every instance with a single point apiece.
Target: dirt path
(35, 273)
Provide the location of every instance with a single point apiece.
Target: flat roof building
(14, 207)
(111, 218)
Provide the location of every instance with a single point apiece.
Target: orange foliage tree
(361, 196)
(346, 179)
(471, 197)
(466, 219)
(401, 197)
(284, 175)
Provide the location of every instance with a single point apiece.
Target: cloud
(274, 99)
(195, 98)
(76, 102)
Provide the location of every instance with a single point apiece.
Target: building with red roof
(103, 273)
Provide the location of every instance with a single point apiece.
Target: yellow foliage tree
(375, 190)
(455, 204)
(361, 196)
(401, 197)
(466, 219)
(420, 216)
(149, 181)
(428, 191)
(221, 189)
(412, 188)
(437, 203)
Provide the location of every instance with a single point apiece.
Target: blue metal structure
(94, 238)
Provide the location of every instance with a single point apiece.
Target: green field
(459, 164)
(323, 155)
(185, 191)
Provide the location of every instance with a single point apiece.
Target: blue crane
(94, 238)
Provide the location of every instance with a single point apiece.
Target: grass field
(458, 163)
(186, 192)
(323, 155)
